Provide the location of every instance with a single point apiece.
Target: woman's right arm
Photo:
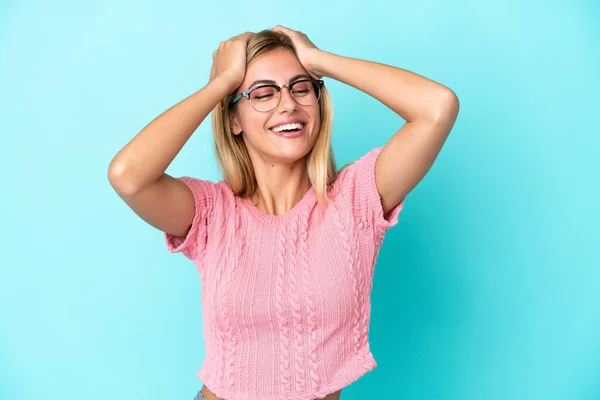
(137, 172)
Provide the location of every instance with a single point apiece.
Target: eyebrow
(272, 82)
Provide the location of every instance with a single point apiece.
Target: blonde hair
(231, 152)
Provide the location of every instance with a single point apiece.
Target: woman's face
(279, 65)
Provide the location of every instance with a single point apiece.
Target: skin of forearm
(410, 95)
(146, 157)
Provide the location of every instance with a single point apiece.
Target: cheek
(254, 123)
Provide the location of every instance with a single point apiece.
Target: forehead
(278, 65)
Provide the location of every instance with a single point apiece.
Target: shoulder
(211, 194)
(356, 189)
(357, 171)
(210, 187)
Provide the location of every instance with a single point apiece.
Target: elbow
(446, 108)
(450, 104)
(118, 177)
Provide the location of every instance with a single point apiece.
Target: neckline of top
(260, 216)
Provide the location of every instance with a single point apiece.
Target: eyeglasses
(265, 98)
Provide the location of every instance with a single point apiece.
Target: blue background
(487, 289)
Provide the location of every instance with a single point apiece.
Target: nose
(286, 100)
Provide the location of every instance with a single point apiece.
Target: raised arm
(137, 172)
(429, 109)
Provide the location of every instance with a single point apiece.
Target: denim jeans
(199, 396)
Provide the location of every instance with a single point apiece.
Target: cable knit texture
(286, 298)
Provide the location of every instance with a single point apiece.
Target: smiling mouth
(295, 127)
(289, 131)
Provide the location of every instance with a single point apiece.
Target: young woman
(285, 244)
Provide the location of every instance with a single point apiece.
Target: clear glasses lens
(266, 98)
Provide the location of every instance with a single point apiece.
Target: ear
(234, 123)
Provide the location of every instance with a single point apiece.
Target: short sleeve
(193, 245)
(359, 191)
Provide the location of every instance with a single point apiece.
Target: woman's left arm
(429, 109)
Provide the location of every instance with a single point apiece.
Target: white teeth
(288, 127)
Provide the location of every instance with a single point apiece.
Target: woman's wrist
(317, 63)
(224, 84)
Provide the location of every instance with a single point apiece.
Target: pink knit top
(286, 298)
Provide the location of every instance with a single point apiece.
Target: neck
(280, 186)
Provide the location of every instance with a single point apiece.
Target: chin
(292, 153)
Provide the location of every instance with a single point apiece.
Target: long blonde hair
(231, 152)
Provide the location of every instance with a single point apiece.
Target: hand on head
(306, 50)
(229, 60)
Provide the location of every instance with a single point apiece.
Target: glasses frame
(246, 94)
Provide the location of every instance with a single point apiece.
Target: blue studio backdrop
(488, 288)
